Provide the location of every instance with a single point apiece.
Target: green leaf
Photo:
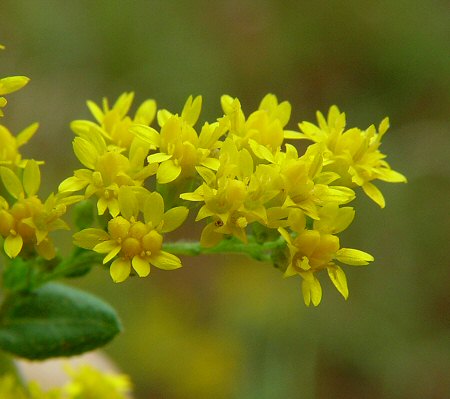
(55, 320)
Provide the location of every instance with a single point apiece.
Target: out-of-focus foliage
(229, 327)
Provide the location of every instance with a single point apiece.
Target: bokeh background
(229, 327)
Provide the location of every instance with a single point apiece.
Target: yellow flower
(314, 250)
(107, 170)
(233, 197)
(353, 154)
(305, 185)
(263, 131)
(28, 221)
(133, 243)
(181, 149)
(114, 123)
(89, 383)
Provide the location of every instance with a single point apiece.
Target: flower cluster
(86, 382)
(25, 219)
(237, 173)
(241, 175)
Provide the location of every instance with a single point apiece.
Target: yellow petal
(353, 257)
(311, 289)
(146, 112)
(147, 134)
(166, 261)
(154, 209)
(191, 110)
(13, 245)
(120, 270)
(374, 194)
(31, 177)
(85, 152)
(167, 172)
(141, 266)
(174, 218)
(11, 182)
(158, 157)
(89, 238)
(26, 134)
(209, 237)
(11, 84)
(337, 276)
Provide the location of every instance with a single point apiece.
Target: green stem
(261, 252)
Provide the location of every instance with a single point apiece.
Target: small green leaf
(55, 320)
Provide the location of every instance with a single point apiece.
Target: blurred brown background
(228, 327)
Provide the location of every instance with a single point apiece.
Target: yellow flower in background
(89, 383)
(86, 382)
(113, 122)
(28, 221)
(353, 154)
(131, 242)
(314, 250)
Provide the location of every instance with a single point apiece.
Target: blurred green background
(228, 327)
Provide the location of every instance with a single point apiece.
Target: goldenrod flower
(88, 382)
(263, 131)
(113, 122)
(353, 153)
(314, 250)
(233, 197)
(179, 148)
(108, 170)
(28, 222)
(131, 242)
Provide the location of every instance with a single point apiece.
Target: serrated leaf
(55, 320)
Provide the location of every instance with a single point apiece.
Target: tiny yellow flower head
(263, 131)
(114, 122)
(28, 222)
(354, 153)
(314, 250)
(232, 197)
(180, 150)
(108, 170)
(133, 243)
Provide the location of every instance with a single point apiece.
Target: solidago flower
(305, 185)
(179, 148)
(314, 250)
(28, 221)
(86, 382)
(263, 131)
(89, 383)
(107, 170)
(133, 243)
(114, 122)
(232, 197)
(353, 153)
